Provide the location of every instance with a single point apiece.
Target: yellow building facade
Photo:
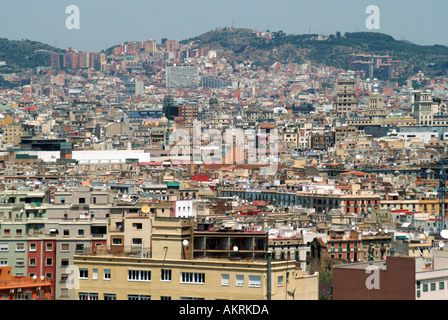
(104, 277)
(170, 273)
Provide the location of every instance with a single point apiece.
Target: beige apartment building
(346, 102)
(12, 134)
(171, 273)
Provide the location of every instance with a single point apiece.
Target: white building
(184, 208)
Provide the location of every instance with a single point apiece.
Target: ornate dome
(164, 120)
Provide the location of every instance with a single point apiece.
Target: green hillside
(25, 54)
(238, 45)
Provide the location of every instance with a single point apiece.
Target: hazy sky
(104, 23)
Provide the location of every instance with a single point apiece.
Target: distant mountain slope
(238, 45)
(25, 54)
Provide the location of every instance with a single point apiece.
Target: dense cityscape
(167, 171)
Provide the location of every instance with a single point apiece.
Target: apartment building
(391, 279)
(23, 287)
(396, 278)
(346, 103)
(360, 202)
(12, 134)
(172, 273)
(40, 233)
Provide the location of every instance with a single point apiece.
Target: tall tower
(422, 108)
(346, 104)
(167, 104)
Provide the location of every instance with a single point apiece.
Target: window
(138, 297)
(93, 199)
(192, 277)
(95, 274)
(165, 298)
(20, 262)
(7, 232)
(110, 296)
(87, 296)
(33, 246)
(4, 247)
(418, 293)
(65, 262)
(165, 275)
(64, 277)
(83, 273)
(65, 247)
(49, 262)
(137, 241)
(64, 292)
(425, 287)
(116, 241)
(49, 247)
(66, 232)
(82, 200)
(240, 280)
(137, 226)
(224, 279)
(433, 286)
(20, 246)
(255, 281)
(107, 274)
(280, 281)
(79, 247)
(3, 262)
(19, 232)
(80, 232)
(32, 262)
(139, 275)
(441, 285)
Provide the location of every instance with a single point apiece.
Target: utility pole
(269, 274)
(442, 195)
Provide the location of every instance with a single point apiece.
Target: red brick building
(393, 279)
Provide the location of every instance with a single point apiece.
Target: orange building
(23, 288)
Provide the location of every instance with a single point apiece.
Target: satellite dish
(235, 248)
(146, 209)
(34, 277)
(42, 277)
(444, 234)
(185, 242)
(441, 244)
